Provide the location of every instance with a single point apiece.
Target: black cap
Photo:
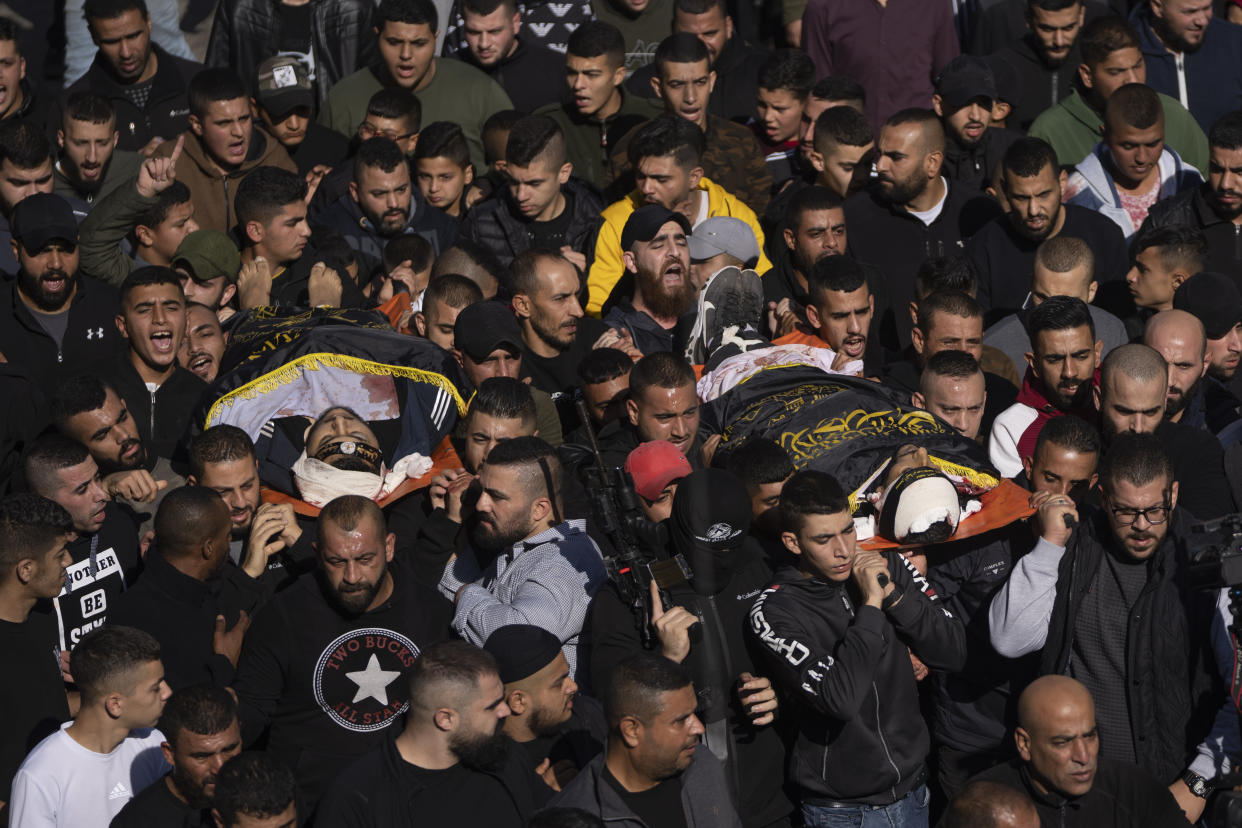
(963, 79)
(522, 650)
(1212, 297)
(483, 327)
(646, 221)
(1008, 80)
(42, 217)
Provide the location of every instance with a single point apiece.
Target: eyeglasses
(366, 131)
(1154, 515)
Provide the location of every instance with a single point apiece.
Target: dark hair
(953, 302)
(1178, 245)
(412, 247)
(540, 469)
(88, 106)
(952, 272)
(452, 289)
(1073, 433)
(346, 512)
(1226, 133)
(112, 9)
(567, 817)
(533, 137)
(107, 655)
(931, 128)
(638, 682)
(839, 88)
(9, 34)
(147, 276)
(527, 265)
(155, 215)
(497, 123)
(604, 364)
(397, 104)
(1028, 157)
(23, 144)
(985, 803)
(219, 444)
(952, 363)
(443, 139)
(1136, 104)
(80, 393)
(668, 135)
(29, 525)
(596, 38)
(201, 709)
(380, 153)
(51, 453)
(1103, 36)
(263, 194)
(842, 125)
(1059, 313)
(211, 85)
(789, 69)
(809, 200)
(186, 517)
(1137, 459)
(700, 7)
(505, 398)
(810, 492)
(443, 670)
(837, 273)
(255, 784)
(681, 47)
(1061, 254)
(662, 369)
(759, 461)
(414, 12)
(486, 7)
(472, 260)
(1051, 5)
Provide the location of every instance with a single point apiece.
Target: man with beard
(1060, 374)
(382, 203)
(201, 733)
(912, 211)
(814, 228)
(105, 554)
(321, 662)
(1046, 58)
(452, 754)
(1179, 337)
(1131, 398)
(657, 253)
(1003, 251)
(1192, 56)
(55, 320)
(654, 772)
(524, 562)
(1217, 303)
(964, 95)
(90, 165)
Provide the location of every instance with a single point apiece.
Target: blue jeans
(908, 812)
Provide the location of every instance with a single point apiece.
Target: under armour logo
(94, 333)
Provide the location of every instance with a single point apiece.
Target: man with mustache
(452, 753)
(90, 165)
(1100, 598)
(204, 341)
(965, 91)
(1032, 183)
(1215, 301)
(839, 313)
(1060, 373)
(322, 662)
(1180, 338)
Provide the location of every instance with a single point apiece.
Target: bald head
(1179, 325)
(1048, 695)
(1057, 737)
(1179, 337)
(991, 805)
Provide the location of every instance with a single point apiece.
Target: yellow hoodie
(609, 266)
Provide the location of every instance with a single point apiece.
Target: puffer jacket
(494, 224)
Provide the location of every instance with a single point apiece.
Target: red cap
(654, 465)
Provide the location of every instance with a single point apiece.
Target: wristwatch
(1199, 786)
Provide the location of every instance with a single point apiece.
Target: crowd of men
(1023, 217)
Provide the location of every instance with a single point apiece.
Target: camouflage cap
(283, 84)
(208, 254)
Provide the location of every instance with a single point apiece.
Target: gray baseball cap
(723, 234)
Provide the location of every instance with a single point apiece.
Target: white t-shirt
(61, 783)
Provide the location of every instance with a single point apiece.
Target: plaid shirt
(546, 580)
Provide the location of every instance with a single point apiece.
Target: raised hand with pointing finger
(158, 174)
(672, 627)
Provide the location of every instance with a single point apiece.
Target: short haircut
(397, 104)
(541, 470)
(681, 47)
(536, 137)
(146, 277)
(1226, 133)
(186, 517)
(839, 88)
(928, 122)
(1103, 36)
(1072, 433)
(76, 395)
(413, 12)
(474, 261)
(50, 454)
(201, 709)
(112, 9)
(29, 525)
(1060, 313)
(1062, 254)
(23, 144)
(810, 492)
(808, 200)
(665, 136)
(447, 674)
(951, 302)
(9, 34)
(88, 106)
(835, 273)
(759, 461)
(1137, 459)
(662, 369)
(106, 657)
(452, 289)
(841, 126)
(981, 803)
(700, 7)
(1028, 157)
(212, 85)
(1179, 246)
(443, 139)
(347, 512)
(486, 7)
(155, 215)
(952, 272)
(596, 38)
(505, 398)
(1136, 104)
(604, 364)
(409, 247)
(1136, 361)
(567, 817)
(951, 364)
(498, 124)
(254, 784)
(380, 153)
(788, 69)
(527, 265)
(219, 444)
(638, 684)
(264, 192)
